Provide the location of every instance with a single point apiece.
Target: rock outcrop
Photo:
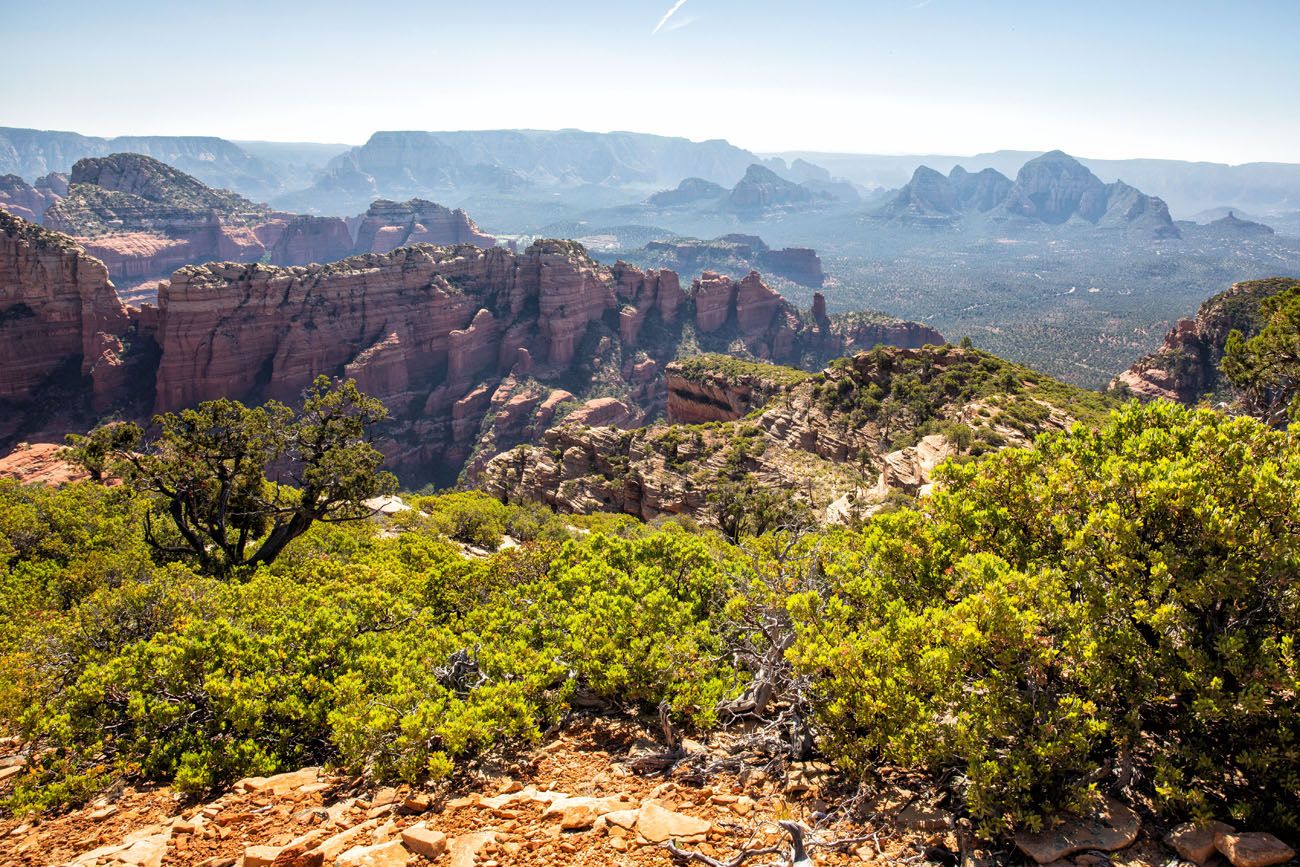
(736, 255)
(388, 225)
(433, 331)
(1185, 367)
(59, 314)
(26, 200)
(689, 192)
(473, 350)
(714, 388)
(826, 438)
(761, 189)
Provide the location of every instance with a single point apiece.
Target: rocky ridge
(1185, 367)
(842, 441)
(144, 219)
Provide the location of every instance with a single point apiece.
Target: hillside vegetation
(1113, 609)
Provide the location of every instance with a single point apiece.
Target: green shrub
(471, 517)
(1116, 606)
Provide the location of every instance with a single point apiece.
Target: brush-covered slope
(839, 443)
(133, 192)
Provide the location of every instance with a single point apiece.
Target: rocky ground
(582, 798)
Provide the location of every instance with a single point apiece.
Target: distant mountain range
(1054, 189)
(493, 171)
(32, 153)
(1265, 189)
(410, 163)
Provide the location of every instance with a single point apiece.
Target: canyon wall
(474, 350)
(57, 308)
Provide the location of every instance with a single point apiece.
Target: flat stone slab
(1254, 849)
(1111, 826)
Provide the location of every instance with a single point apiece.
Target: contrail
(669, 14)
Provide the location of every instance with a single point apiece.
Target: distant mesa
(394, 164)
(1053, 189)
(32, 153)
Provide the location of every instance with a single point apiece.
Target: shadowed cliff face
(59, 319)
(473, 350)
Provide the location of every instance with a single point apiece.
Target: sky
(1190, 79)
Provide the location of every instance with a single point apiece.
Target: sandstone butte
(473, 349)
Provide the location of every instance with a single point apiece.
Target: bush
(1111, 607)
(467, 516)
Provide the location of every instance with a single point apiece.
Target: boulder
(1254, 849)
(1195, 842)
(424, 841)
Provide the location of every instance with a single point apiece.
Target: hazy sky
(1189, 79)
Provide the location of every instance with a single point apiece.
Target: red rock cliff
(56, 307)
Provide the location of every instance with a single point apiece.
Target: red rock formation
(1186, 365)
(24, 200)
(604, 412)
(715, 298)
(304, 240)
(465, 345)
(40, 464)
(56, 307)
(713, 395)
(388, 225)
(131, 256)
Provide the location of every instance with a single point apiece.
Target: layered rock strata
(58, 313)
(473, 350)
